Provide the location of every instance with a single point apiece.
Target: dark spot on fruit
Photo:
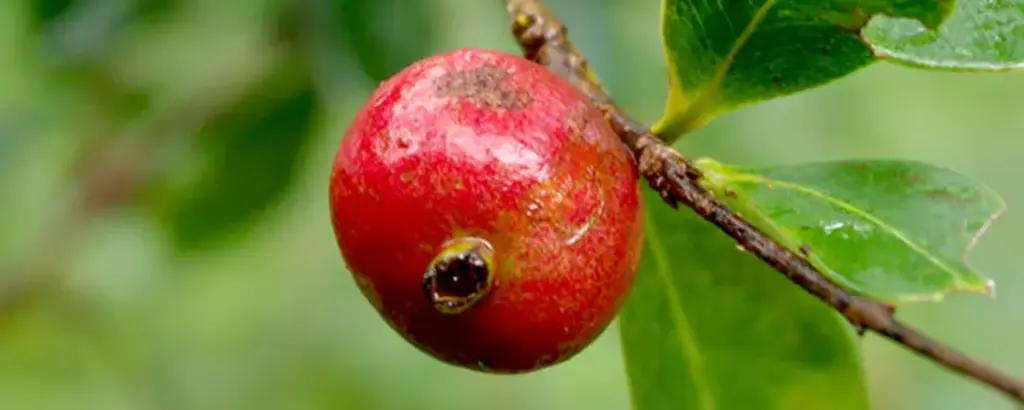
(485, 86)
(577, 123)
(459, 276)
(537, 296)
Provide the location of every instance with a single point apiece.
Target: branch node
(544, 40)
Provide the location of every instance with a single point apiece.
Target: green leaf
(709, 327)
(981, 35)
(722, 55)
(19, 130)
(76, 31)
(249, 155)
(46, 11)
(381, 37)
(894, 230)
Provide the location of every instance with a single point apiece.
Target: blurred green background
(166, 161)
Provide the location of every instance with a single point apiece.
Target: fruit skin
(489, 146)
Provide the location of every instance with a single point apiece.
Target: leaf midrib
(691, 115)
(684, 330)
(744, 177)
(789, 237)
(710, 92)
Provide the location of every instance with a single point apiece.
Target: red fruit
(487, 211)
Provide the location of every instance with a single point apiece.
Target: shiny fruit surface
(487, 211)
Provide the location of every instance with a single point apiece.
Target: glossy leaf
(894, 230)
(722, 55)
(980, 35)
(250, 154)
(709, 327)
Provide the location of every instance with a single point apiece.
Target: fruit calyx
(460, 275)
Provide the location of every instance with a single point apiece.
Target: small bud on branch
(544, 39)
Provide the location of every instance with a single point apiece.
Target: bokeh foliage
(217, 284)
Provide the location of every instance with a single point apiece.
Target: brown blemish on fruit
(548, 299)
(578, 123)
(589, 223)
(547, 204)
(485, 86)
(552, 205)
(507, 241)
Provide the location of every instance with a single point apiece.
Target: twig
(544, 39)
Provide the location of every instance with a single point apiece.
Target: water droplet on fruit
(460, 275)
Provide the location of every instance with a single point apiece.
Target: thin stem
(544, 39)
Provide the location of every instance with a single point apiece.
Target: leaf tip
(982, 286)
(990, 288)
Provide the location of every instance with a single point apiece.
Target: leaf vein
(684, 330)
(741, 41)
(898, 234)
(789, 241)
